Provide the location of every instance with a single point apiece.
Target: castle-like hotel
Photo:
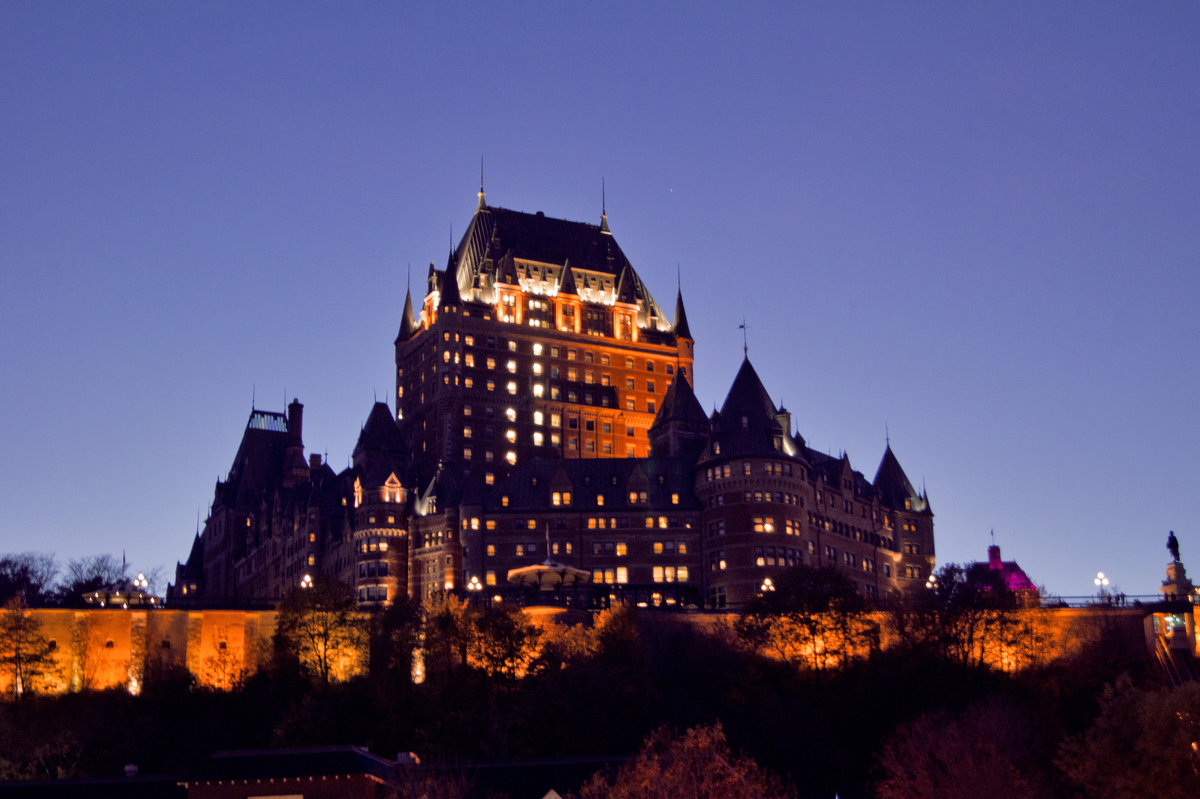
(544, 413)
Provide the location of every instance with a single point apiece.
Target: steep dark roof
(194, 568)
(748, 422)
(681, 324)
(258, 465)
(892, 483)
(537, 237)
(450, 294)
(380, 433)
(680, 405)
(408, 322)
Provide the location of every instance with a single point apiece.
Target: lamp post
(931, 582)
(767, 586)
(306, 581)
(1101, 586)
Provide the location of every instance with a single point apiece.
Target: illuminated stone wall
(99, 649)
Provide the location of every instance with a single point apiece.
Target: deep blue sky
(977, 226)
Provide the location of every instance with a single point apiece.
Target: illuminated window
(467, 453)
(622, 574)
(537, 348)
(511, 366)
(538, 389)
(491, 363)
(467, 431)
(681, 573)
(511, 435)
(511, 387)
(490, 577)
(491, 550)
(622, 549)
(504, 501)
(538, 417)
(555, 420)
(511, 457)
(537, 439)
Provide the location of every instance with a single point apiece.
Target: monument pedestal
(1177, 585)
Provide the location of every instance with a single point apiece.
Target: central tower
(537, 339)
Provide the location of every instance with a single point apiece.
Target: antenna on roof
(678, 278)
(197, 520)
(887, 435)
(253, 388)
(993, 534)
(745, 341)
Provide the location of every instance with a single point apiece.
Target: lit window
(537, 439)
(489, 479)
(511, 366)
(510, 414)
(622, 549)
(538, 389)
(622, 574)
(511, 457)
(537, 348)
(511, 435)
(511, 387)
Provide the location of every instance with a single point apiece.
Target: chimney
(295, 422)
(314, 461)
(994, 561)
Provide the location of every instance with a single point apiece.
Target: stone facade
(544, 410)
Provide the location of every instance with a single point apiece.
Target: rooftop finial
(603, 207)
(887, 434)
(745, 341)
(481, 195)
(993, 535)
(678, 278)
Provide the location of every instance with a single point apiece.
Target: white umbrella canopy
(548, 575)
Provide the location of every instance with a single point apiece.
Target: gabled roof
(567, 284)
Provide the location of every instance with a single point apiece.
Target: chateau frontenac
(544, 413)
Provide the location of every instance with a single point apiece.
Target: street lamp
(1101, 585)
(767, 585)
(473, 584)
(306, 581)
(932, 582)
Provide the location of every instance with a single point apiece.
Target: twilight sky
(977, 227)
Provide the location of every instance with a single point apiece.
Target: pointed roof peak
(408, 322)
(604, 209)
(681, 323)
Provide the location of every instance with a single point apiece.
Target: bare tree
(25, 654)
(29, 574)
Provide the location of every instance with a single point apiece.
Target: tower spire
(603, 208)
(745, 340)
(481, 194)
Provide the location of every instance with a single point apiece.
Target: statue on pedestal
(1173, 545)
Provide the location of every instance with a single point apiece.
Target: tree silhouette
(26, 656)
